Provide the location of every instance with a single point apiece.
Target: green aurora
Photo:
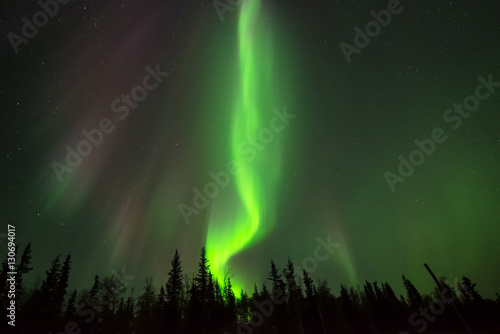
(252, 213)
(322, 175)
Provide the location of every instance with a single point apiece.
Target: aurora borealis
(319, 174)
(232, 230)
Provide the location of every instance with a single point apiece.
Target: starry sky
(174, 92)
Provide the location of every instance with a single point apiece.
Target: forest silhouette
(290, 302)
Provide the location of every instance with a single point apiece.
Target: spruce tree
(292, 286)
(95, 288)
(23, 268)
(62, 283)
(309, 286)
(470, 290)
(275, 278)
(146, 306)
(174, 287)
(70, 312)
(202, 277)
(230, 299)
(162, 300)
(49, 291)
(414, 298)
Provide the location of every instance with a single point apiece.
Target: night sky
(304, 138)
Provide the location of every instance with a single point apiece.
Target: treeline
(290, 303)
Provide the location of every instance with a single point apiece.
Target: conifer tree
(292, 286)
(23, 268)
(146, 304)
(309, 286)
(229, 298)
(174, 287)
(414, 298)
(63, 281)
(275, 278)
(469, 290)
(70, 312)
(49, 291)
(162, 300)
(95, 288)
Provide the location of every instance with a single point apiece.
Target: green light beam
(249, 214)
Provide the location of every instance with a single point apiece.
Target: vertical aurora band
(241, 219)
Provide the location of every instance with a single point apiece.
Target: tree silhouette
(174, 290)
(322, 304)
(199, 292)
(70, 312)
(230, 300)
(108, 300)
(309, 285)
(213, 308)
(62, 284)
(275, 278)
(279, 293)
(294, 295)
(95, 288)
(348, 305)
(50, 306)
(414, 298)
(23, 268)
(146, 305)
(469, 291)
